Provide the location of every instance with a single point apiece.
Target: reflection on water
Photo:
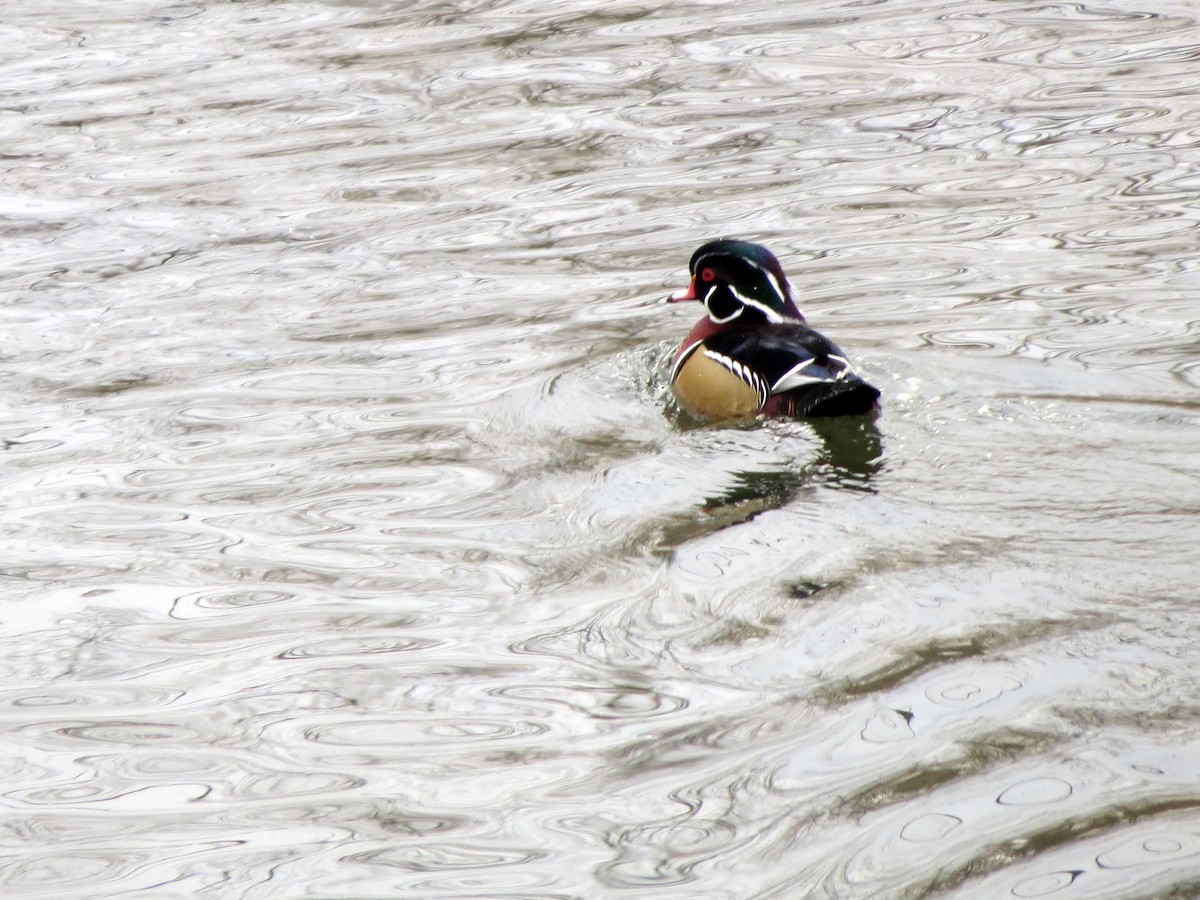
(353, 545)
(849, 455)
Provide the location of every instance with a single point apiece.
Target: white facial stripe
(714, 319)
(768, 313)
(775, 285)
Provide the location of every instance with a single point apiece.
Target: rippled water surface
(353, 547)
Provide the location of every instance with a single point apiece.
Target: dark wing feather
(808, 374)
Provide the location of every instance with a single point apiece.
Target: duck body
(753, 354)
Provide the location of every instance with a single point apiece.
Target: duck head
(739, 283)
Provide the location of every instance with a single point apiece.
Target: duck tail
(846, 397)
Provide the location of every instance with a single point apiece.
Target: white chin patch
(713, 317)
(721, 320)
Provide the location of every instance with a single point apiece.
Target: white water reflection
(352, 543)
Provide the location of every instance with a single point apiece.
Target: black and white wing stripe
(792, 370)
(785, 357)
(747, 375)
(814, 371)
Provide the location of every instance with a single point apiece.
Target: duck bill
(688, 293)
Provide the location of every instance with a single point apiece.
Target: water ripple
(353, 540)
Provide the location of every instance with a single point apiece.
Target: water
(352, 545)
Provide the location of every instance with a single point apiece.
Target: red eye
(707, 274)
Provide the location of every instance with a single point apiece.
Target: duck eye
(707, 274)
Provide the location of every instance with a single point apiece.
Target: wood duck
(753, 354)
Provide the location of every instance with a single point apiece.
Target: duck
(753, 353)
